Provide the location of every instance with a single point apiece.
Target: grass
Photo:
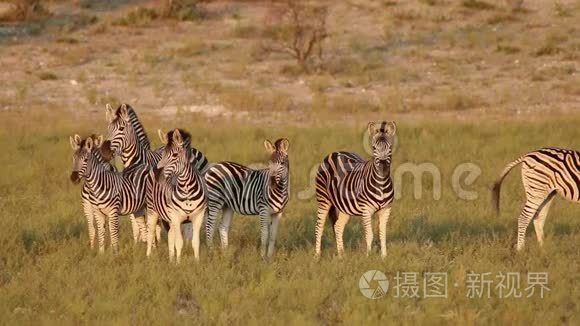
(49, 275)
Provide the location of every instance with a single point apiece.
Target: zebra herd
(175, 187)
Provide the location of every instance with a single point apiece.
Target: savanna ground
(467, 81)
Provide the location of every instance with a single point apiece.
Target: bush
(297, 29)
(169, 9)
(182, 9)
(23, 10)
(142, 16)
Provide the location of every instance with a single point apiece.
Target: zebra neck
(133, 155)
(93, 171)
(138, 128)
(184, 180)
(278, 190)
(379, 178)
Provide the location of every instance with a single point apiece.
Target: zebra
(127, 138)
(235, 188)
(545, 172)
(347, 185)
(111, 193)
(77, 142)
(178, 194)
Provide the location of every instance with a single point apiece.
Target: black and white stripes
(347, 185)
(176, 193)
(111, 193)
(235, 188)
(175, 184)
(545, 172)
(86, 194)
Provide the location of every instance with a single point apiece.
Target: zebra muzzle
(74, 177)
(106, 150)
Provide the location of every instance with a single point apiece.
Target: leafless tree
(298, 29)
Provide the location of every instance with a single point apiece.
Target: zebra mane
(101, 154)
(84, 140)
(184, 134)
(137, 126)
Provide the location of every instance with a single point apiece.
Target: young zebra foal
(545, 172)
(111, 193)
(236, 188)
(347, 185)
(176, 193)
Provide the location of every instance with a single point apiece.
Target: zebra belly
(359, 204)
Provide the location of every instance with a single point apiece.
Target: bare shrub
(297, 29)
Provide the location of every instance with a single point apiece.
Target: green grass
(49, 275)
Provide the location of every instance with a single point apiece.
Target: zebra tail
(497, 185)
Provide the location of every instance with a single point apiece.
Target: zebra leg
(213, 209)
(265, 231)
(178, 238)
(341, 221)
(527, 214)
(89, 215)
(368, 229)
(273, 233)
(384, 215)
(225, 226)
(171, 242)
(196, 224)
(114, 229)
(100, 219)
(141, 226)
(541, 219)
(157, 234)
(135, 228)
(321, 216)
(152, 218)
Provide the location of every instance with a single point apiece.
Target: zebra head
(120, 131)
(83, 149)
(382, 136)
(278, 165)
(176, 156)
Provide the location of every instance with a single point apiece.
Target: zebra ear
(124, 112)
(99, 141)
(110, 113)
(372, 128)
(75, 141)
(162, 136)
(269, 147)
(283, 145)
(391, 128)
(177, 137)
(89, 144)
